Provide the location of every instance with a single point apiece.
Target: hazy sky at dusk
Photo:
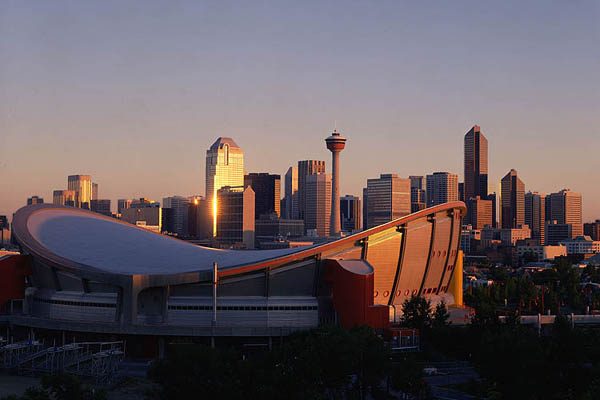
(134, 93)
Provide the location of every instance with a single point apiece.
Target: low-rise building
(582, 245)
(542, 253)
(511, 236)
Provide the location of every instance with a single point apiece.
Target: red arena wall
(13, 270)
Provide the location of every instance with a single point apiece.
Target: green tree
(440, 316)
(416, 312)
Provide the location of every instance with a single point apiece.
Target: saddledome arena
(91, 273)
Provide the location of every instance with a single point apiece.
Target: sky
(134, 93)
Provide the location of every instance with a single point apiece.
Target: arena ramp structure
(94, 273)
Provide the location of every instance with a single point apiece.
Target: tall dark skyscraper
(267, 193)
(512, 201)
(476, 164)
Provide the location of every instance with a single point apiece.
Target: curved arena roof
(82, 240)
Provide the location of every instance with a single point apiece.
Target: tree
(440, 316)
(60, 387)
(416, 312)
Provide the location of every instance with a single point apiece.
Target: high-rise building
(480, 211)
(63, 198)
(291, 194)
(199, 218)
(535, 216)
(476, 164)
(82, 186)
(175, 215)
(365, 208)
(556, 233)
(461, 192)
(95, 191)
(418, 194)
(317, 205)
(335, 144)
(565, 208)
(306, 168)
(494, 199)
(235, 216)
(101, 206)
(35, 200)
(224, 167)
(442, 187)
(267, 193)
(4, 226)
(350, 212)
(512, 201)
(388, 198)
(592, 229)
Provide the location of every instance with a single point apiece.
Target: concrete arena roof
(109, 245)
(78, 239)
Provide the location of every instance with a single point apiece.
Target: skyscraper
(388, 198)
(480, 211)
(306, 168)
(291, 193)
(224, 167)
(512, 201)
(318, 203)
(350, 212)
(335, 144)
(235, 216)
(418, 194)
(95, 191)
(267, 193)
(63, 198)
(535, 216)
(565, 208)
(175, 215)
(476, 164)
(442, 187)
(82, 186)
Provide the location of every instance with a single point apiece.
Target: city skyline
(390, 84)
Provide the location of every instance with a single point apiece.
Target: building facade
(82, 186)
(35, 200)
(480, 212)
(592, 229)
(388, 198)
(535, 216)
(101, 206)
(475, 164)
(224, 167)
(176, 215)
(307, 168)
(267, 192)
(512, 203)
(235, 216)
(565, 208)
(63, 198)
(350, 213)
(291, 194)
(442, 187)
(145, 214)
(582, 245)
(317, 206)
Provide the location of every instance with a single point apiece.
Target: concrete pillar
(456, 283)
